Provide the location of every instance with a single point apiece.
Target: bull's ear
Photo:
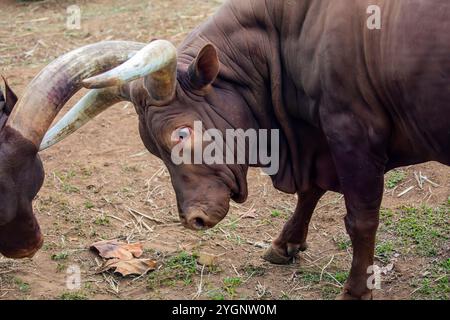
(205, 68)
(10, 99)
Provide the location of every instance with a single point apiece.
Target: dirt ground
(100, 181)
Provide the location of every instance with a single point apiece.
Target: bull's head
(169, 100)
(21, 176)
(22, 128)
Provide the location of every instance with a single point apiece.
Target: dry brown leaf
(129, 267)
(122, 258)
(111, 249)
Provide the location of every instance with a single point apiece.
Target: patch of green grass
(57, 203)
(327, 285)
(102, 221)
(132, 169)
(230, 284)
(436, 285)
(446, 265)
(423, 230)
(185, 262)
(234, 238)
(158, 279)
(256, 271)
(214, 269)
(266, 222)
(275, 214)
(309, 277)
(73, 296)
(89, 205)
(233, 224)
(60, 256)
(61, 267)
(386, 216)
(126, 190)
(343, 243)
(394, 177)
(88, 286)
(340, 276)
(23, 286)
(435, 289)
(284, 296)
(64, 178)
(67, 188)
(384, 249)
(313, 277)
(216, 295)
(86, 172)
(329, 292)
(180, 267)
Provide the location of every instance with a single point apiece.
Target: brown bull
(351, 103)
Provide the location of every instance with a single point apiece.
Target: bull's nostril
(199, 223)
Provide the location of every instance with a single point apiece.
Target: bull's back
(402, 70)
(415, 75)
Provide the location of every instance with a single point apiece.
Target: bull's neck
(246, 35)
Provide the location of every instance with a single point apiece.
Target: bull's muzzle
(196, 219)
(20, 239)
(21, 253)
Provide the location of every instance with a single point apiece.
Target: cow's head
(21, 176)
(23, 124)
(169, 101)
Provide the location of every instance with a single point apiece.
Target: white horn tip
(45, 144)
(99, 82)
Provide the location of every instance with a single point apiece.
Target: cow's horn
(59, 81)
(157, 62)
(91, 105)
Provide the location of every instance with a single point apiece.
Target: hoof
(273, 256)
(304, 247)
(294, 249)
(347, 296)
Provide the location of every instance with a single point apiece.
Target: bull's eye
(183, 134)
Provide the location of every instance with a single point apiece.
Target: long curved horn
(60, 80)
(157, 62)
(91, 105)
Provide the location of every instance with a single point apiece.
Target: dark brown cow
(351, 103)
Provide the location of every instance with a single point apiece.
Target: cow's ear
(205, 68)
(10, 98)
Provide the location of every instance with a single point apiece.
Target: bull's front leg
(361, 223)
(293, 237)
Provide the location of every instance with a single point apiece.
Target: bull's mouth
(21, 238)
